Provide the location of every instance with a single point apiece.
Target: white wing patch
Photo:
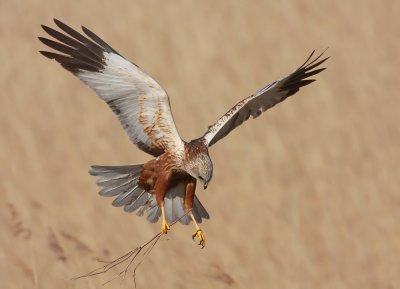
(140, 103)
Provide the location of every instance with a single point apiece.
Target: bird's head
(199, 165)
(202, 169)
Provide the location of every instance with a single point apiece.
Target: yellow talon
(165, 227)
(199, 234)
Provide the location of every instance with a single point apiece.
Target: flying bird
(164, 186)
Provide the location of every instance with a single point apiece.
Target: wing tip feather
(300, 77)
(285, 87)
(47, 54)
(76, 51)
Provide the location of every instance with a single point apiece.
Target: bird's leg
(164, 226)
(189, 196)
(198, 233)
(160, 189)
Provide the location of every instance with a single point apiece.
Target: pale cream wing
(264, 99)
(140, 103)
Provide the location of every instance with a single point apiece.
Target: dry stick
(131, 255)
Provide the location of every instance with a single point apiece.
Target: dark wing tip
(299, 77)
(48, 29)
(308, 62)
(305, 62)
(77, 51)
(42, 39)
(59, 23)
(47, 54)
(98, 40)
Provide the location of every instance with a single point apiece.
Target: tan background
(306, 196)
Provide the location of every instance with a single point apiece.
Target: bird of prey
(164, 186)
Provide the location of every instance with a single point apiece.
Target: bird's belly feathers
(159, 168)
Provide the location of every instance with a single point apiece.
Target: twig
(129, 257)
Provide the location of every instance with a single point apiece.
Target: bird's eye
(201, 178)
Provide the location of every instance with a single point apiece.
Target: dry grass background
(306, 196)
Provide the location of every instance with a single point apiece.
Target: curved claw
(165, 227)
(199, 234)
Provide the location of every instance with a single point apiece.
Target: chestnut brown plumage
(165, 186)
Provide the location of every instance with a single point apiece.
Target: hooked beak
(205, 185)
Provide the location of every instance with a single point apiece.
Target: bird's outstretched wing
(140, 103)
(264, 99)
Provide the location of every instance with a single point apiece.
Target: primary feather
(142, 107)
(264, 99)
(140, 103)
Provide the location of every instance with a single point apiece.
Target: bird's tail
(122, 181)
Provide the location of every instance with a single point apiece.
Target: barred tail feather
(122, 182)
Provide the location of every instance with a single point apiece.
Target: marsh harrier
(164, 186)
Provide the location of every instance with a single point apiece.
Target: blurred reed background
(306, 196)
